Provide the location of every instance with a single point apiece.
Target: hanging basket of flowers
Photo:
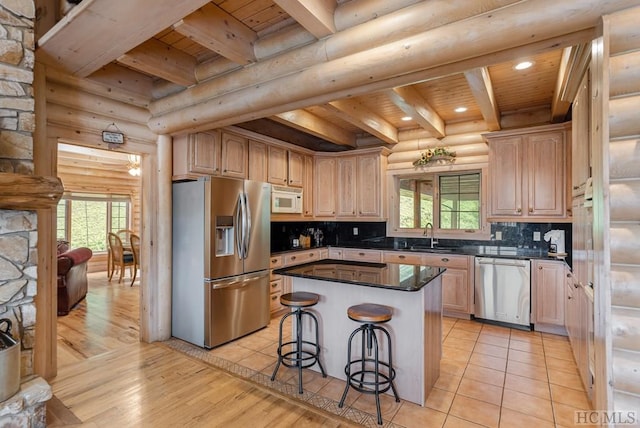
(437, 155)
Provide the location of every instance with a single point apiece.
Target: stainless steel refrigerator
(221, 249)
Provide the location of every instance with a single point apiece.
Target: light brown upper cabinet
(528, 174)
(581, 138)
(324, 187)
(234, 156)
(286, 167)
(358, 191)
(307, 187)
(257, 161)
(209, 153)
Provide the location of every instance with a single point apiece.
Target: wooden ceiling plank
(355, 113)
(414, 105)
(314, 125)
(480, 84)
(314, 15)
(83, 41)
(220, 32)
(162, 60)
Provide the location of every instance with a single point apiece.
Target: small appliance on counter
(556, 243)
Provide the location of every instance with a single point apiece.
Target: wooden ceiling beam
(358, 115)
(480, 84)
(409, 100)
(311, 124)
(95, 33)
(316, 16)
(159, 59)
(220, 32)
(573, 66)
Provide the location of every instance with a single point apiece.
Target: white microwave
(286, 200)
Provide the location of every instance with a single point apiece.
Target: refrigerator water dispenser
(224, 236)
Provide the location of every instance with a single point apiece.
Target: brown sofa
(72, 277)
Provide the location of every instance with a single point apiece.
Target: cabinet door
(324, 187)
(307, 187)
(550, 285)
(277, 170)
(545, 166)
(580, 138)
(455, 296)
(369, 186)
(347, 186)
(204, 153)
(505, 177)
(296, 169)
(234, 156)
(257, 161)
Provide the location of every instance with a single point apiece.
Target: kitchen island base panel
(415, 329)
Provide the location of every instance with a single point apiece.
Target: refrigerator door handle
(239, 227)
(237, 283)
(247, 232)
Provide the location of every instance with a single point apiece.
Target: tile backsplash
(520, 235)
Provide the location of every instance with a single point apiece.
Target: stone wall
(18, 229)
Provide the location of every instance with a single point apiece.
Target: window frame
(109, 198)
(393, 223)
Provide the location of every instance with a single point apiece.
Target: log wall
(621, 38)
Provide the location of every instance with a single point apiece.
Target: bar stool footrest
(290, 359)
(367, 384)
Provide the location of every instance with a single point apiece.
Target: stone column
(18, 229)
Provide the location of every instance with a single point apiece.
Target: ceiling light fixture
(407, 118)
(523, 65)
(134, 165)
(460, 109)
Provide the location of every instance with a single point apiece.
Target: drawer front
(275, 286)
(336, 253)
(301, 257)
(274, 302)
(399, 257)
(445, 260)
(374, 256)
(275, 262)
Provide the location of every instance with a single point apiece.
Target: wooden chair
(134, 240)
(119, 257)
(124, 235)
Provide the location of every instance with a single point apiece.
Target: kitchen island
(413, 292)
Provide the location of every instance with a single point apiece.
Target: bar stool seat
(366, 376)
(297, 355)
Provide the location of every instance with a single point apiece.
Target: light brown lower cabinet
(548, 291)
(457, 280)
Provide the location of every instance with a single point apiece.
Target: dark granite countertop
(394, 276)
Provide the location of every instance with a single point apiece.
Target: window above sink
(450, 201)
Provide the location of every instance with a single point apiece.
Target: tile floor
(491, 376)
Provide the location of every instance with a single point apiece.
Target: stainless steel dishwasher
(503, 291)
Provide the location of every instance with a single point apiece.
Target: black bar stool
(297, 356)
(368, 378)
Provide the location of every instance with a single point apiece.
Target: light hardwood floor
(490, 376)
(107, 378)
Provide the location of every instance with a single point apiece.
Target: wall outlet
(498, 235)
(536, 236)
(355, 231)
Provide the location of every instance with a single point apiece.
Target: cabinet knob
(224, 170)
(576, 285)
(310, 254)
(274, 260)
(530, 210)
(568, 275)
(274, 297)
(540, 267)
(569, 297)
(576, 187)
(444, 259)
(401, 257)
(519, 210)
(294, 257)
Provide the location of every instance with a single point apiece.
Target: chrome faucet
(426, 228)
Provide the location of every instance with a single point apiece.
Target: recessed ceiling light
(460, 109)
(523, 65)
(407, 118)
